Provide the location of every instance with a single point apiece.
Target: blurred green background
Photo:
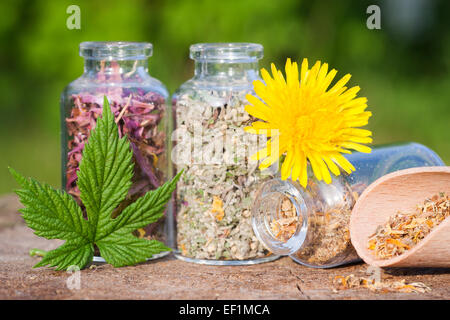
(403, 68)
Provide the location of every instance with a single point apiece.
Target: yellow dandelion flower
(313, 123)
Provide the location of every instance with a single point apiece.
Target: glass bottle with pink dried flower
(118, 70)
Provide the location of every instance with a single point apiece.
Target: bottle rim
(226, 52)
(261, 224)
(115, 50)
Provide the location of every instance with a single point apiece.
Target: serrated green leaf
(104, 178)
(145, 210)
(106, 170)
(71, 253)
(123, 249)
(51, 213)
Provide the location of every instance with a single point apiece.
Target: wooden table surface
(169, 278)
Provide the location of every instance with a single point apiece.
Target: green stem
(37, 252)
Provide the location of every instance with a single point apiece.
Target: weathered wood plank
(169, 278)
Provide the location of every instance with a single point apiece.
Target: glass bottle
(214, 195)
(311, 224)
(118, 70)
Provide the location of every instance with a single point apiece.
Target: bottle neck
(244, 71)
(114, 69)
(284, 211)
(282, 230)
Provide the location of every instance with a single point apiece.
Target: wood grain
(169, 278)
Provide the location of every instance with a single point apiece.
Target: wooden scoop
(402, 191)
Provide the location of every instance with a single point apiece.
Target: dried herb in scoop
(405, 230)
(104, 179)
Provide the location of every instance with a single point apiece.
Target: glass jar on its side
(118, 70)
(215, 193)
(311, 224)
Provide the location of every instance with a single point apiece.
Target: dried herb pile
(285, 225)
(137, 115)
(404, 230)
(214, 197)
(329, 227)
(140, 116)
(328, 241)
(353, 282)
(329, 237)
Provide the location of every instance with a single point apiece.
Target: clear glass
(118, 70)
(312, 225)
(214, 195)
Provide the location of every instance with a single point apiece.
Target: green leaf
(51, 213)
(145, 210)
(104, 179)
(71, 253)
(106, 170)
(122, 249)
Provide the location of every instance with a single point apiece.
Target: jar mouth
(266, 210)
(116, 50)
(226, 52)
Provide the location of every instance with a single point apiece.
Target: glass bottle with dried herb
(311, 224)
(119, 71)
(214, 195)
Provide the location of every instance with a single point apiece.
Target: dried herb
(286, 223)
(404, 230)
(327, 242)
(214, 197)
(351, 282)
(330, 237)
(104, 179)
(139, 117)
(328, 230)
